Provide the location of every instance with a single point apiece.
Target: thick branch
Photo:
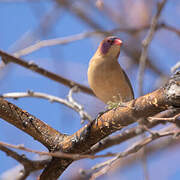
(129, 133)
(30, 124)
(114, 120)
(92, 133)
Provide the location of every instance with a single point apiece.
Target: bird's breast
(108, 82)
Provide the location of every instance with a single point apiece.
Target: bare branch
(129, 133)
(24, 160)
(29, 165)
(30, 124)
(20, 1)
(174, 119)
(82, 140)
(113, 120)
(72, 38)
(83, 114)
(80, 36)
(71, 104)
(145, 45)
(175, 67)
(171, 28)
(33, 67)
(132, 149)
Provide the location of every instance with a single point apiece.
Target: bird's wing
(127, 79)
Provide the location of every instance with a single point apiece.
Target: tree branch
(30, 124)
(129, 133)
(90, 134)
(33, 67)
(145, 45)
(114, 120)
(132, 149)
(29, 165)
(69, 103)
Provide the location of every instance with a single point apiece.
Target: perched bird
(106, 78)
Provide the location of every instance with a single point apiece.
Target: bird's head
(110, 47)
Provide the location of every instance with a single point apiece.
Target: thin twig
(145, 45)
(84, 115)
(80, 36)
(175, 67)
(171, 120)
(144, 161)
(72, 38)
(132, 149)
(57, 154)
(171, 28)
(28, 165)
(71, 104)
(20, 1)
(142, 66)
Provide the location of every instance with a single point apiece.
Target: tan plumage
(105, 75)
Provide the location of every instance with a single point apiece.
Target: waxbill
(106, 78)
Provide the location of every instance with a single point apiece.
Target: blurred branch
(132, 149)
(80, 36)
(142, 66)
(72, 38)
(67, 102)
(33, 67)
(25, 161)
(29, 165)
(158, 147)
(52, 42)
(21, 1)
(91, 23)
(170, 28)
(175, 67)
(80, 13)
(46, 23)
(145, 45)
(174, 119)
(45, 26)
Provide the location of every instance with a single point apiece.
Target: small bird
(106, 78)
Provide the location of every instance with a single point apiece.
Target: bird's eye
(110, 41)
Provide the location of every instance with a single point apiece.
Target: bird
(106, 77)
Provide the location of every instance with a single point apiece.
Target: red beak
(118, 42)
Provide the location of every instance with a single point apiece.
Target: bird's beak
(118, 42)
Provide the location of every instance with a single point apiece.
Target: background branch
(33, 67)
(145, 45)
